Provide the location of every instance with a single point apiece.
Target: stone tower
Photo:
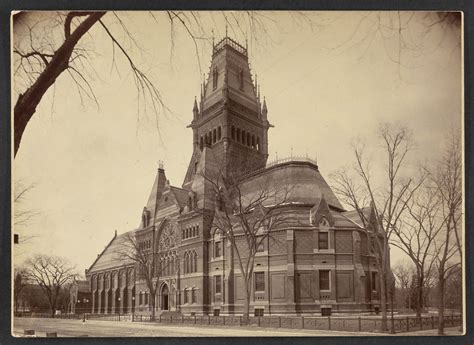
(229, 117)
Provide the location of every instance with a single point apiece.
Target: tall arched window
(248, 139)
(258, 143)
(238, 135)
(201, 143)
(214, 136)
(244, 137)
(215, 75)
(241, 79)
(219, 133)
(232, 133)
(195, 262)
(253, 141)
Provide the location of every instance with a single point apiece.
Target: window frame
(320, 233)
(217, 283)
(328, 280)
(259, 283)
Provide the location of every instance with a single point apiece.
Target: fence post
(223, 318)
(329, 323)
(432, 322)
(240, 320)
(279, 321)
(194, 318)
(182, 318)
(208, 320)
(421, 323)
(360, 324)
(302, 322)
(408, 324)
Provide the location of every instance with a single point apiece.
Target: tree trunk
(383, 298)
(153, 305)
(419, 301)
(27, 102)
(246, 305)
(441, 283)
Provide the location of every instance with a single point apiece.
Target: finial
(264, 107)
(160, 165)
(115, 232)
(195, 108)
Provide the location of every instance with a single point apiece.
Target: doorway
(164, 297)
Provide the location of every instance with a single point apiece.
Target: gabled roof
(181, 195)
(355, 218)
(111, 256)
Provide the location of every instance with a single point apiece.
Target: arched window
(238, 134)
(214, 136)
(195, 262)
(244, 137)
(241, 79)
(215, 75)
(219, 133)
(232, 133)
(258, 143)
(253, 141)
(248, 139)
(210, 137)
(185, 295)
(201, 143)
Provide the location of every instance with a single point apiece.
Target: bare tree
(50, 273)
(416, 235)
(19, 283)
(403, 272)
(48, 52)
(387, 197)
(448, 245)
(407, 36)
(22, 216)
(146, 255)
(247, 216)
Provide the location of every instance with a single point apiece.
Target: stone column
(121, 311)
(106, 302)
(99, 304)
(113, 311)
(93, 301)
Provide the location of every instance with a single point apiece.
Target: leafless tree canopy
(47, 45)
(50, 273)
(386, 195)
(247, 217)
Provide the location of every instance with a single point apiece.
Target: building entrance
(164, 297)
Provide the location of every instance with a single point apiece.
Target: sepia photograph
(237, 174)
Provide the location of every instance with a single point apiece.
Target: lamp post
(133, 308)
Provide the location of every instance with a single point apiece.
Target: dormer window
(145, 217)
(324, 224)
(215, 75)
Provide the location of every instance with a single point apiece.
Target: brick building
(324, 265)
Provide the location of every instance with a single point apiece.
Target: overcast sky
(327, 77)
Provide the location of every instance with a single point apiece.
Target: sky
(328, 78)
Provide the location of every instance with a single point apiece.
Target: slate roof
(306, 184)
(110, 256)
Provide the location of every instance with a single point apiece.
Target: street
(95, 328)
